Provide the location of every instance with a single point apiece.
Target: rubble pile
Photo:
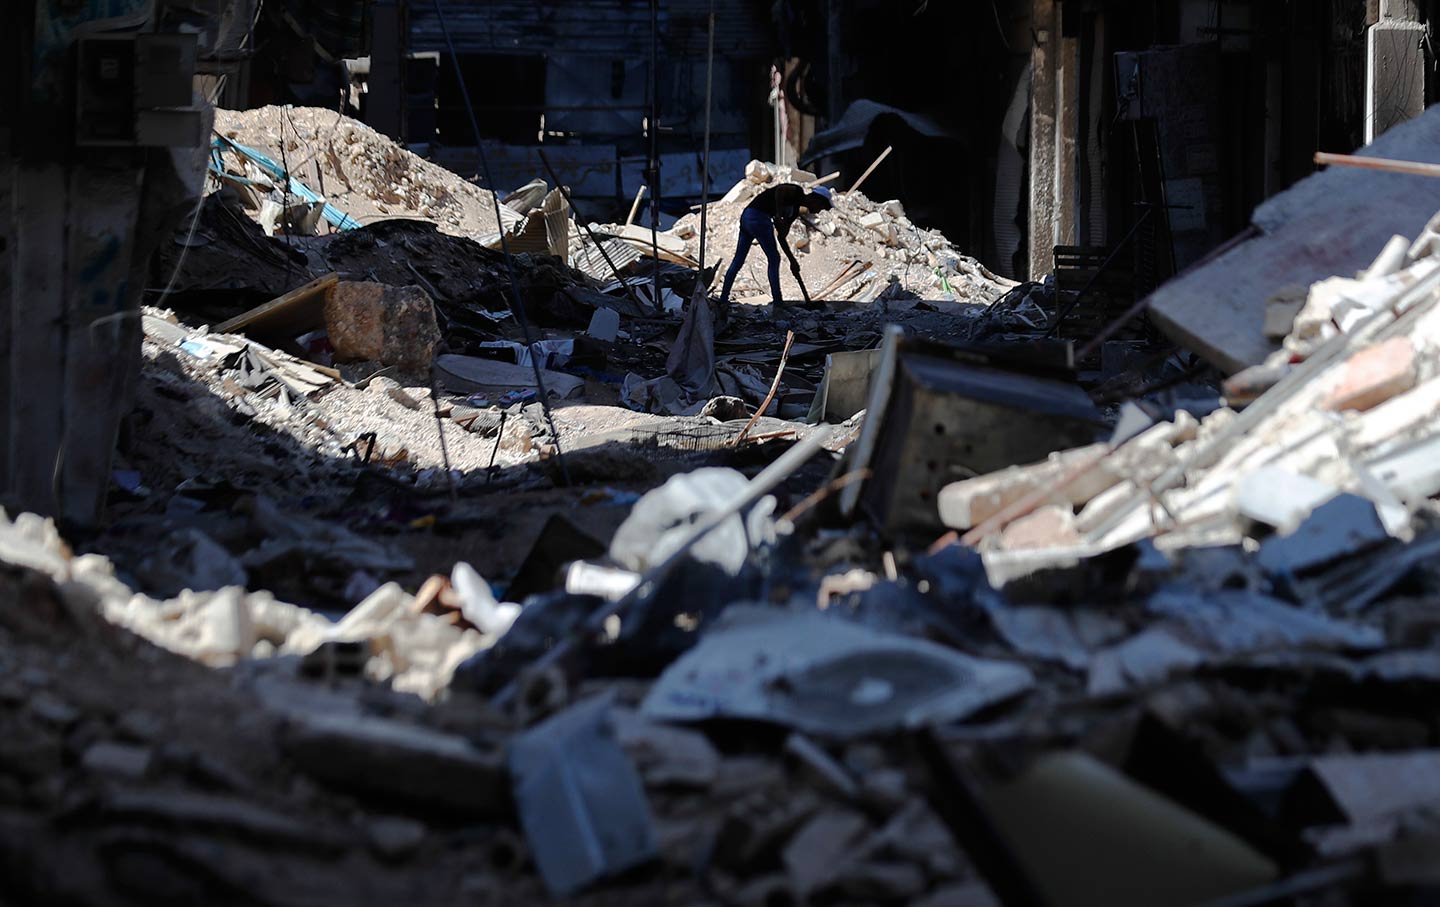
(388, 637)
(858, 251)
(859, 611)
(1328, 455)
(359, 171)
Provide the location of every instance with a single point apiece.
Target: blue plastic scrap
(334, 215)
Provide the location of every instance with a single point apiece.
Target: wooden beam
(1386, 165)
(283, 313)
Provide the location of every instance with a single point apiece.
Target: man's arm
(782, 230)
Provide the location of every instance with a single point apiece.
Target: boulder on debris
(394, 325)
(758, 172)
(725, 409)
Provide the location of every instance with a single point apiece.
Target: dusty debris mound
(358, 170)
(1324, 452)
(130, 775)
(463, 277)
(856, 251)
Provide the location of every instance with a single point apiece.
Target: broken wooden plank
(641, 235)
(671, 248)
(300, 310)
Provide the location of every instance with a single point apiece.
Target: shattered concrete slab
(1330, 223)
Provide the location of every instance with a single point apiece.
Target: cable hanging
(517, 307)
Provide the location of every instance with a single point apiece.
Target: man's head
(817, 199)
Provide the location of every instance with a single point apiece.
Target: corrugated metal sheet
(606, 28)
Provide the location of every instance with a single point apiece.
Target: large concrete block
(394, 325)
(1334, 222)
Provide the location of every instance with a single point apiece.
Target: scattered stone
(666, 755)
(399, 762)
(193, 811)
(118, 760)
(190, 559)
(392, 389)
(394, 838)
(819, 851)
(725, 409)
(53, 710)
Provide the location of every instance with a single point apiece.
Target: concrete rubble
(859, 251)
(1350, 388)
(417, 586)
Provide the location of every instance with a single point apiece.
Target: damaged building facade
(1064, 123)
(403, 499)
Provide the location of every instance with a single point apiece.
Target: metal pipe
(701, 287)
(653, 170)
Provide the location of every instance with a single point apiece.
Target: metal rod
(774, 387)
(1386, 165)
(440, 434)
(517, 307)
(817, 497)
(653, 170)
(565, 191)
(701, 289)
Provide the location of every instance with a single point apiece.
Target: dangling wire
(516, 306)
